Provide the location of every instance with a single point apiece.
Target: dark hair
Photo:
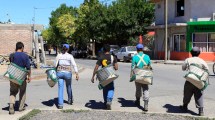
(64, 49)
(195, 53)
(106, 48)
(139, 49)
(19, 45)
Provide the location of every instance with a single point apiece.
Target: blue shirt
(136, 59)
(21, 59)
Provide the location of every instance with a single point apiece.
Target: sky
(22, 11)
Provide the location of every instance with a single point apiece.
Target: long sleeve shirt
(195, 60)
(66, 59)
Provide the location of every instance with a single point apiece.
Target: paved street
(165, 94)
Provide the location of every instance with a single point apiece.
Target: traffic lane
(168, 79)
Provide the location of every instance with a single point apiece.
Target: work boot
(201, 112)
(11, 109)
(146, 105)
(108, 105)
(22, 109)
(137, 102)
(184, 107)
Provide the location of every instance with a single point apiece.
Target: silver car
(126, 53)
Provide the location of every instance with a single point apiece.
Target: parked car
(126, 53)
(113, 48)
(79, 53)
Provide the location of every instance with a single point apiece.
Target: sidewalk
(175, 62)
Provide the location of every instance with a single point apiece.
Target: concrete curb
(87, 109)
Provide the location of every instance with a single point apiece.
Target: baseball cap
(139, 46)
(195, 49)
(66, 46)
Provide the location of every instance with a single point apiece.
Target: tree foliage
(118, 23)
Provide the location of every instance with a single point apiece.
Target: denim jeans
(67, 77)
(108, 92)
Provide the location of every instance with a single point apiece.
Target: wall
(10, 34)
(193, 9)
(159, 12)
(202, 8)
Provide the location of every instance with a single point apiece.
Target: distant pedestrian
(21, 59)
(49, 51)
(64, 64)
(106, 59)
(189, 88)
(140, 61)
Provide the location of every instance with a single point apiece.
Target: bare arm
(94, 72)
(116, 66)
(185, 65)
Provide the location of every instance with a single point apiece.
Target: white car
(126, 53)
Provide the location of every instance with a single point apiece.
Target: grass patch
(30, 114)
(72, 110)
(199, 118)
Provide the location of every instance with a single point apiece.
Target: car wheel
(117, 59)
(124, 59)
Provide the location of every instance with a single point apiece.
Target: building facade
(190, 23)
(10, 34)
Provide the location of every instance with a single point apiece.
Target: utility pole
(166, 29)
(42, 50)
(36, 44)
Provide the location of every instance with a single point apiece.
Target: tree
(129, 19)
(61, 30)
(66, 25)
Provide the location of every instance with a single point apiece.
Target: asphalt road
(166, 93)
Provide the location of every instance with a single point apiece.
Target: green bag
(16, 73)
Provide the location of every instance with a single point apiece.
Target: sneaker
(11, 109)
(60, 107)
(137, 102)
(108, 105)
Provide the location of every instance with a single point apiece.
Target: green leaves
(66, 25)
(118, 23)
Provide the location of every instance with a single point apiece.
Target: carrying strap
(111, 59)
(57, 60)
(141, 60)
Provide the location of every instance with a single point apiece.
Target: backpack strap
(141, 60)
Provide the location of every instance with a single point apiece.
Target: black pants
(189, 90)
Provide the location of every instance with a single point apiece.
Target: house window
(179, 43)
(205, 41)
(180, 8)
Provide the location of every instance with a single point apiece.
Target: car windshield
(132, 48)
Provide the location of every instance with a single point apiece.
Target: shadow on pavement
(16, 107)
(128, 103)
(51, 102)
(95, 105)
(176, 109)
